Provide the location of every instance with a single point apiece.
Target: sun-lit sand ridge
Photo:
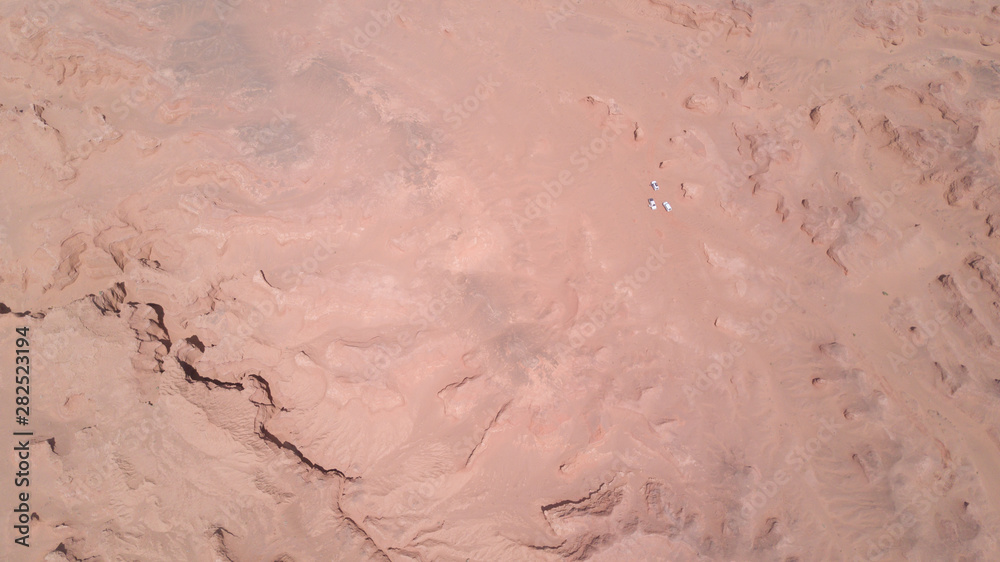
(351, 281)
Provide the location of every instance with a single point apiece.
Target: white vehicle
(652, 204)
(656, 186)
(667, 206)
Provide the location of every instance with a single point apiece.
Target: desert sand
(379, 280)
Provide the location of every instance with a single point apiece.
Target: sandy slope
(311, 281)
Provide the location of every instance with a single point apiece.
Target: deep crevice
(272, 438)
(192, 375)
(194, 341)
(159, 322)
(265, 386)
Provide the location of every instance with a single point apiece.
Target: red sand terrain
(378, 281)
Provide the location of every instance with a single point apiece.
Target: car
(667, 206)
(656, 186)
(652, 204)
